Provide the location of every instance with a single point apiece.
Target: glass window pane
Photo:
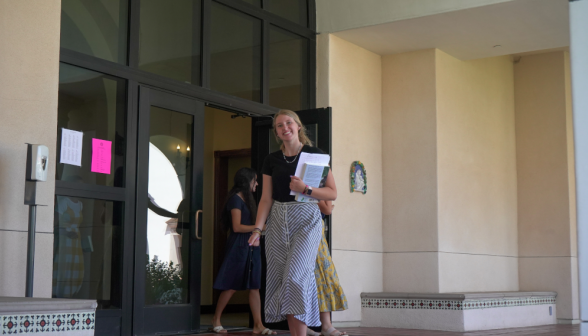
(87, 257)
(288, 70)
(169, 39)
(235, 60)
(168, 213)
(95, 27)
(253, 2)
(293, 10)
(94, 104)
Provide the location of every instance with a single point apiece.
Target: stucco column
(29, 79)
(579, 70)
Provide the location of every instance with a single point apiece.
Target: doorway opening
(227, 148)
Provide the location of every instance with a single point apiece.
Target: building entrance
(139, 237)
(227, 148)
(145, 235)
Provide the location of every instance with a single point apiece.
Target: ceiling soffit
(500, 29)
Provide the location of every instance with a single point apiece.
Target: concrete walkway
(551, 330)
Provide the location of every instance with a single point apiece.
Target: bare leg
(326, 322)
(255, 305)
(297, 327)
(223, 300)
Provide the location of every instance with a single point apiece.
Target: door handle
(197, 222)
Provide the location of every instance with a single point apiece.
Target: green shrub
(164, 282)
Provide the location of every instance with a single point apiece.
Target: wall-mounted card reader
(37, 163)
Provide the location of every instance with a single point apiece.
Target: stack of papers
(312, 169)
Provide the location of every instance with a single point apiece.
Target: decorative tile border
(37, 323)
(455, 304)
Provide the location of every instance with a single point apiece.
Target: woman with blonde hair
(293, 229)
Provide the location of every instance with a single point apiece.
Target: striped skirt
(292, 241)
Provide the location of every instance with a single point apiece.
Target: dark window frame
(59, 183)
(134, 32)
(122, 56)
(203, 91)
(309, 76)
(116, 319)
(110, 311)
(135, 77)
(261, 60)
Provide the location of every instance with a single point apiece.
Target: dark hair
(242, 184)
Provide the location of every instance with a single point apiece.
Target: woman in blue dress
(241, 269)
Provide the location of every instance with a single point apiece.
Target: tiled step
(43, 316)
(458, 311)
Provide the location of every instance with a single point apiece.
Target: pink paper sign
(101, 156)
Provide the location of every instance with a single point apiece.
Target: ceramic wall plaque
(358, 178)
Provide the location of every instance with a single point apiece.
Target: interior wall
(354, 92)
(29, 63)
(221, 132)
(546, 179)
(410, 172)
(477, 177)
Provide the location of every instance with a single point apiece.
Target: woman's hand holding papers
(296, 184)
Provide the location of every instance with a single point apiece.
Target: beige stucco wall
(409, 154)
(478, 173)
(29, 64)
(546, 179)
(477, 188)
(449, 217)
(354, 92)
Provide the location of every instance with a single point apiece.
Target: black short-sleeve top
(235, 202)
(280, 171)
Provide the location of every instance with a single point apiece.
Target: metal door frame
(160, 319)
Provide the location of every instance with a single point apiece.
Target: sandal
(266, 331)
(310, 332)
(218, 330)
(332, 332)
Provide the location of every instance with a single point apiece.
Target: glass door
(168, 214)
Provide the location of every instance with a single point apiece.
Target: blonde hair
(302, 137)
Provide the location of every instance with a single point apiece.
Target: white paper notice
(71, 147)
(318, 159)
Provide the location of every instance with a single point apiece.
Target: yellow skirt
(330, 294)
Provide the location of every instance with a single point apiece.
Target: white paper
(71, 147)
(318, 159)
(313, 175)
